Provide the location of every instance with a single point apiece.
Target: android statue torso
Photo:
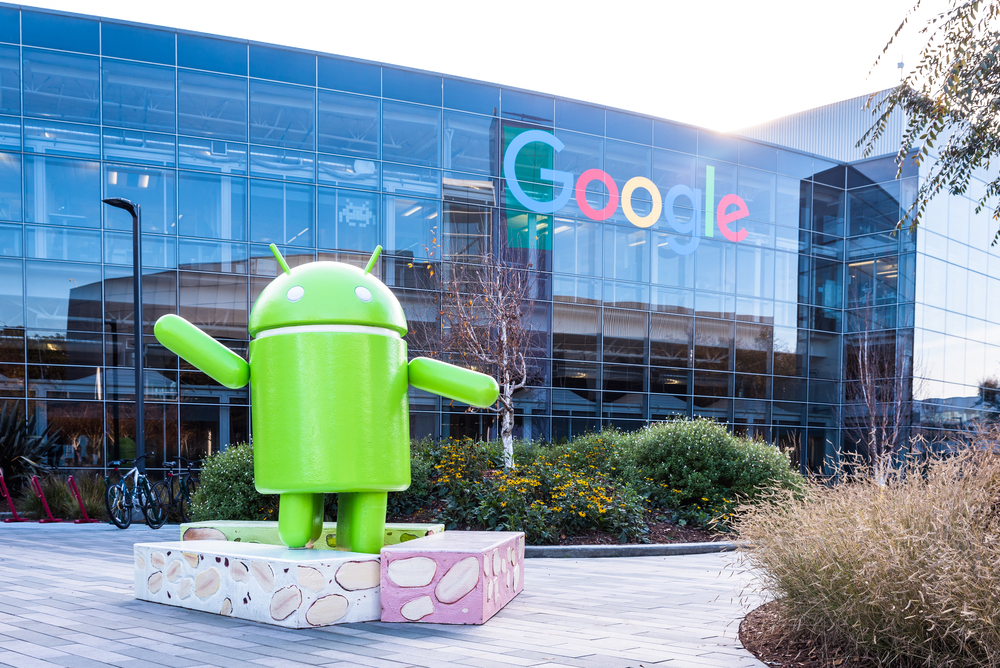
(330, 410)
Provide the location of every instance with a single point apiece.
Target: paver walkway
(66, 600)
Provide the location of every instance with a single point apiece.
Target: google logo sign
(730, 209)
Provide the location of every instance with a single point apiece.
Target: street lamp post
(140, 412)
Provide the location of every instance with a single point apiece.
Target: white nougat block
(261, 583)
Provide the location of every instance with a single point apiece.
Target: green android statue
(328, 382)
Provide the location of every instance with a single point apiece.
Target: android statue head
(326, 293)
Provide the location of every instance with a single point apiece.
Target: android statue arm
(202, 351)
(453, 382)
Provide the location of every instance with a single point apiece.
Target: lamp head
(120, 203)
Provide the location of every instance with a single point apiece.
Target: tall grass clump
(905, 572)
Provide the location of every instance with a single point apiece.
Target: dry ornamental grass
(906, 573)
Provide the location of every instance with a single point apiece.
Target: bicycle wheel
(155, 514)
(119, 509)
(186, 498)
(161, 494)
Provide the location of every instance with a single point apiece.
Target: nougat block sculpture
(261, 583)
(456, 577)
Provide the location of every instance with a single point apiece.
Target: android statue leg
(300, 519)
(361, 521)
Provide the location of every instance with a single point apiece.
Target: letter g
(565, 179)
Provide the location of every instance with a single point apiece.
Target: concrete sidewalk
(66, 600)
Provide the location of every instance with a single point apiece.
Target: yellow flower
(581, 514)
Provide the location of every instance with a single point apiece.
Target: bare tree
(486, 323)
(878, 401)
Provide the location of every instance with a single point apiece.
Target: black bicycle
(130, 492)
(177, 491)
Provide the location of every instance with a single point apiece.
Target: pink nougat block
(455, 577)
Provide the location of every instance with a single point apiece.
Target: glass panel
(55, 138)
(753, 348)
(466, 232)
(157, 251)
(11, 293)
(526, 107)
(715, 266)
(713, 341)
(212, 206)
(626, 254)
(62, 192)
(10, 80)
(673, 301)
(629, 127)
(215, 55)
(626, 295)
(282, 115)
(625, 335)
(669, 268)
(349, 75)
(757, 189)
(10, 25)
(10, 133)
(348, 219)
(753, 387)
(213, 156)
(138, 96)
(141, 147)
(717, 147)
(406, 180)
(576, 332)
(262, 263)
(79, 424)
(282, 65)
(411, 227)
(471, 96)
(62, 86)
(470, 143)
(348, 124)
(10, 241)
(214, 302)
(282, 213)
(675, 137)
(755, 272)
(58, 31)
(411, 86)
(828, 210)
(283, 163)
(211, 105)
(64, 296)
(10, 186)
(875, 209)
(152, 189)
(227, 258)
(159, 297)
(576, 247)
(348, 172)
(53, 243)
(411, 134)
(137, 43)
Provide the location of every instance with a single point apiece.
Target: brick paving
(66, 600)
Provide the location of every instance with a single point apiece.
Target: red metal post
(38, 491)
(10, 501)
(83, 511)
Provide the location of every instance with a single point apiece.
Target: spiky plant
(23, 453)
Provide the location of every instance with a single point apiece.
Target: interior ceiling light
(412, 211)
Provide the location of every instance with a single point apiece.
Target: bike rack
(37, 486)
(10, 502)
(83, 511)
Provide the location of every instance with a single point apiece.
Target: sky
(721, 64)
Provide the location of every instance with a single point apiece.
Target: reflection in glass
(10, 186)
(55, 243)
(412, 227)
(411, 134)
(282, 115)
(212, 105)
(142, 147)
(79, 426)
(212, 155)
(470, 143)
(11, 293)
(63, 296)
(10, 80)
(58, 191)
(227, 258)
(576, 247)
(282, 213)
(348, 219)
(138, 96)
(57, 138)
(348, 124)
(214, 302)
(576, 331)
(283, 163)
(212, 206)
(62, 86)
(348, 172)
(152, 189)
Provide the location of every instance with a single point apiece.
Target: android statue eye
(363, 293)
(296, 293)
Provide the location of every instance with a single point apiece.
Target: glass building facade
(723, 281)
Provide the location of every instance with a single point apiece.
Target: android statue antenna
(329, 379)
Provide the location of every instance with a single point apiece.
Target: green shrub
(226, 490)
(698, 470)
(22, 452)
(903, 572)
